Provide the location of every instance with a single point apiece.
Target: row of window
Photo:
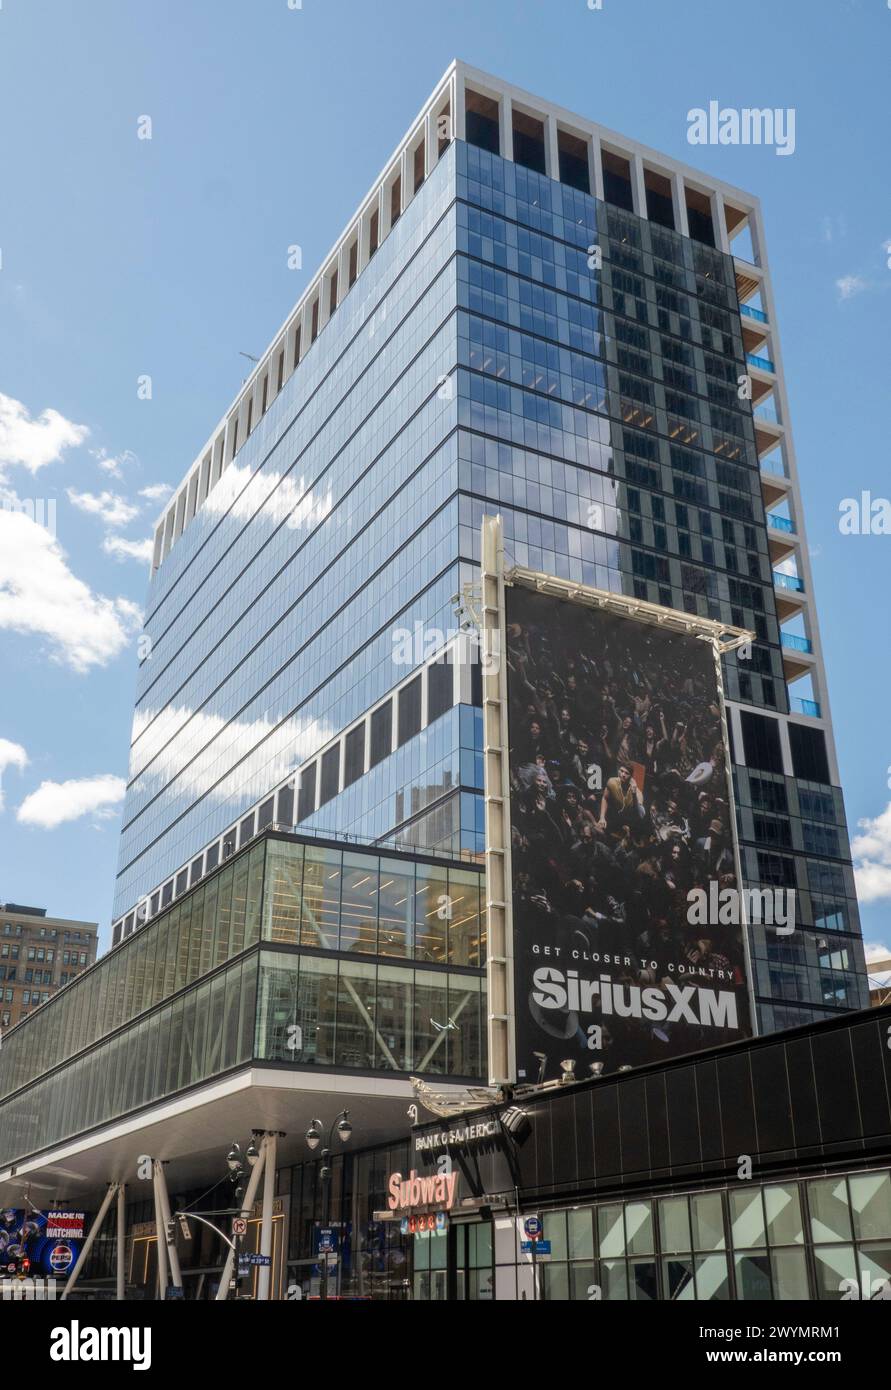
(417, 704)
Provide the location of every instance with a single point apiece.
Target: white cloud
(850, 285)
(871, 851)
(875, 951)
(11, 755)
(123, 549)
(54, 803)
(33, 443)
(110, 507)
(39, 594)
(113, 464)
(156, 492)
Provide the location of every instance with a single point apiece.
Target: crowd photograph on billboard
(621, 818)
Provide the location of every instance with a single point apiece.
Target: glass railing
(766, 412)
(763, 362)
(795, 643)
(774, 465)
(788, 581)
(800, 706)
(781, 523)
(757, 314)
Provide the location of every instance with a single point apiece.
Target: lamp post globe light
(344, 1129)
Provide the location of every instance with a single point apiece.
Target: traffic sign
(532, 1226)
(259, 1259)
(536, 1247)
(239, 1226)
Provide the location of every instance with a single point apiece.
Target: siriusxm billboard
(622, 833)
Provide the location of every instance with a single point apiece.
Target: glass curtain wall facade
(599, 413)
(512, 345)
(296, 952)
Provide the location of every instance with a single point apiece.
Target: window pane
(281, 902)
(677, 1279)
(318, 992)
(789, 1274)
(611, 1228)
(614, 1280)
(836, 1271)
(871, 1200)
(464, 923)
(430, 1021)
(355, 1015)
(581, 1234)
(393, 1004)
(358, 909)
(582, 1282)
(875, 1271)
(396, 920)
(464, 1026)
(747, 1218)
(554, 1224)
(320, 897)
(432, 908)
(642, 1283)
(783, 1206)
(639, 1227)
(674, 1225)
(707, 1213)
(712, 1282)
(554, 1283)
(830, 1216)
(752, 1275)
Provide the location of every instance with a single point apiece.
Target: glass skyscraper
(528, 315)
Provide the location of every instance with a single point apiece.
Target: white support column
(120, 1271)
(719, 222)
(384, 222)
(785, 746)
(552, 149)
(679, 204)
(264, 1283)
(595, 167)
(459, 128)
(506, 126)
(247, 1203)
(407, 175)
(88, 1243)
(365, 237)
(638, 186)
(161, 1239)
(431, 143)
(175, 1272)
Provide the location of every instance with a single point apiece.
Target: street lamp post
(314, 1138)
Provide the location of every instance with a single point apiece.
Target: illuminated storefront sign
(457, 1138)
(435, 1190)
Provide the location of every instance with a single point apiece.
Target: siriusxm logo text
(674, 1004)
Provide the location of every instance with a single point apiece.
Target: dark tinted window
(409, 710)
(246, 831)
(286, 806)
(354, 755)
(306, 799)
(809, 759)
(381, 733)
(761, 739)
(439, 689)
(266, 813)
(330, 774)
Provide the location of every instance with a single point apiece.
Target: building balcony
(764, 364)
(796, 643)
(757, 314)
(789, 594)
(781, 523)
(809, 707)
(798, 656)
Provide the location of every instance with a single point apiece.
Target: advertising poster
(622, 841)
(50, 1240)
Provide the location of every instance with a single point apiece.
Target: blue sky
(123, 257)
